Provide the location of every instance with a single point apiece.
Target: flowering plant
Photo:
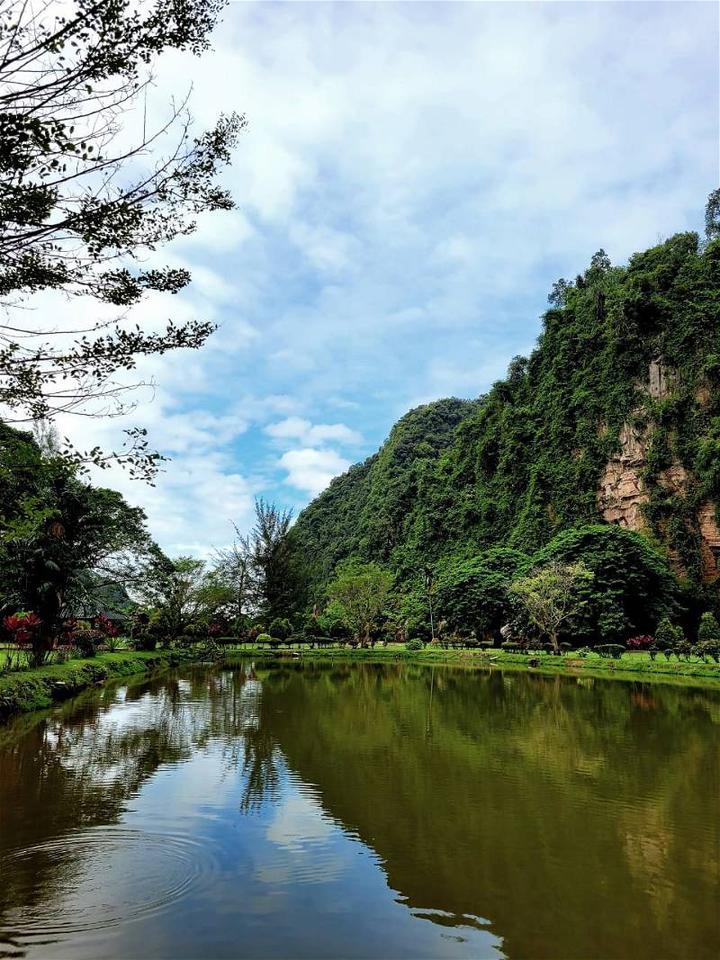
(642, 642)
(22, 627)
(106, 626)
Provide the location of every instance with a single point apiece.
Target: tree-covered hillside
(614, 416)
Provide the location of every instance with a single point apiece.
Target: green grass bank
(40, 688)
(631, 666)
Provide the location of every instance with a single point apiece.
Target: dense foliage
(63, 542)
(524, 462)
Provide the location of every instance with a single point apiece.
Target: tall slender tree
(275, 565)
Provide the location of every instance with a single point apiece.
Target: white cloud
(312, 470)
(297, 428)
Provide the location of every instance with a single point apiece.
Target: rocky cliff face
(709, 541)
(623, 494)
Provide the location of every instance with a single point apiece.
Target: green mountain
(615, 416)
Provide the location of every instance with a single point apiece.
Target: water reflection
(363, 811)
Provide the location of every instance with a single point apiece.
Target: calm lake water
(364, 811)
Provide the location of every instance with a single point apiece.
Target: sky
(412, 179)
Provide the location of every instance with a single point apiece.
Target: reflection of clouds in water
(306, 845)
(299, 820)
(200, 783)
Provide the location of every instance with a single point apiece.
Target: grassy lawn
(40, 688)
(631, 666)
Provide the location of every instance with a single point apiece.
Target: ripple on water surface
(110, 890)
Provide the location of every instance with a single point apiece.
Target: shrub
(709, 629)
(642, 642)
(264, 638)
(87, 640)
(209, 649)
(708, 650)
(684, 649)
(64, 652)
(22, 627)
(414, 644)
(610, 651)
(281, 628)
(145, 641)
(668, 637)
(514, 646)
(105, 626)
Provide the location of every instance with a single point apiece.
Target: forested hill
(615, 415)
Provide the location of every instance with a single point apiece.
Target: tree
(632, 586)
(175, 589)
(234, 569)
(275, 565)
(472, 594)
(61, 540)
(712, 215)
(82, 197)
(549, 597)
(709, 629)
(358, 593)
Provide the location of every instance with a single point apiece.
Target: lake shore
(632, 666)
(39, 688)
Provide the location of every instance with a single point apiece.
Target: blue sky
(412, 180)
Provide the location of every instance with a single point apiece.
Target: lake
(363, 811)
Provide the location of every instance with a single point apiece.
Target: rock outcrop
(709, 542)
(622, 494)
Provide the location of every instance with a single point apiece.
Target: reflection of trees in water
(77, 768)
(539, 802)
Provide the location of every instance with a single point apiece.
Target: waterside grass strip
(632, 666)
(40, 688)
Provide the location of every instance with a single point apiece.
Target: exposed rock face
(622, 493)
(659, 380)
(674, 479)
(710, 542)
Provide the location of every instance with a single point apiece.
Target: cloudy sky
(412, 180)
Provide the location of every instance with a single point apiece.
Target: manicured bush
(709, 630)
(514, 646)
(264, 638)
(87, 640)
(708, 650)
(414, 645)
(668, 637)
(610, 650)
(684, 649)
